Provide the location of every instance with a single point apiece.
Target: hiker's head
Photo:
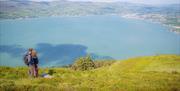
(30, 49)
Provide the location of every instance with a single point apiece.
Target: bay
(60, 40)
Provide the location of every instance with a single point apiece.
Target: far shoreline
(169, 27)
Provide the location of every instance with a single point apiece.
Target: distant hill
(150, 73)
(19, 9)
(29, 9)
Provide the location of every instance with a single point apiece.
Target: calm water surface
(104, 36)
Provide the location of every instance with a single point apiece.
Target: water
(60, 40)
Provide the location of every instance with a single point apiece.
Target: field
(148, 73)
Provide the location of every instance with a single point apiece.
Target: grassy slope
(153, 73)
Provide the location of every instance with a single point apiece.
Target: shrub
(51, 72)
(83, 63)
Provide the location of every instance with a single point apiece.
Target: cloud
(96, 0)
(135, 1)
(130, 1)
(43, 0)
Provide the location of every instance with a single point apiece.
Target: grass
(149, 73)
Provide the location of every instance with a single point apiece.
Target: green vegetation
(151, 73)
(83, 63)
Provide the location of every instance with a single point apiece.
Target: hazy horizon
(152, 2)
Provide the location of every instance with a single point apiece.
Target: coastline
(162, 20)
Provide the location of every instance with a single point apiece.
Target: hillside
(149, 73)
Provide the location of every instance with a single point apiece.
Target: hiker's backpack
(36, 60)
(25, 58)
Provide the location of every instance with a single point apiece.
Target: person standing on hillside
(35, 60)
(32, 62)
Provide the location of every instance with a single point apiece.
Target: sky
(131, 1)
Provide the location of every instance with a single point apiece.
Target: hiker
(35, 60)
(31, 60)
